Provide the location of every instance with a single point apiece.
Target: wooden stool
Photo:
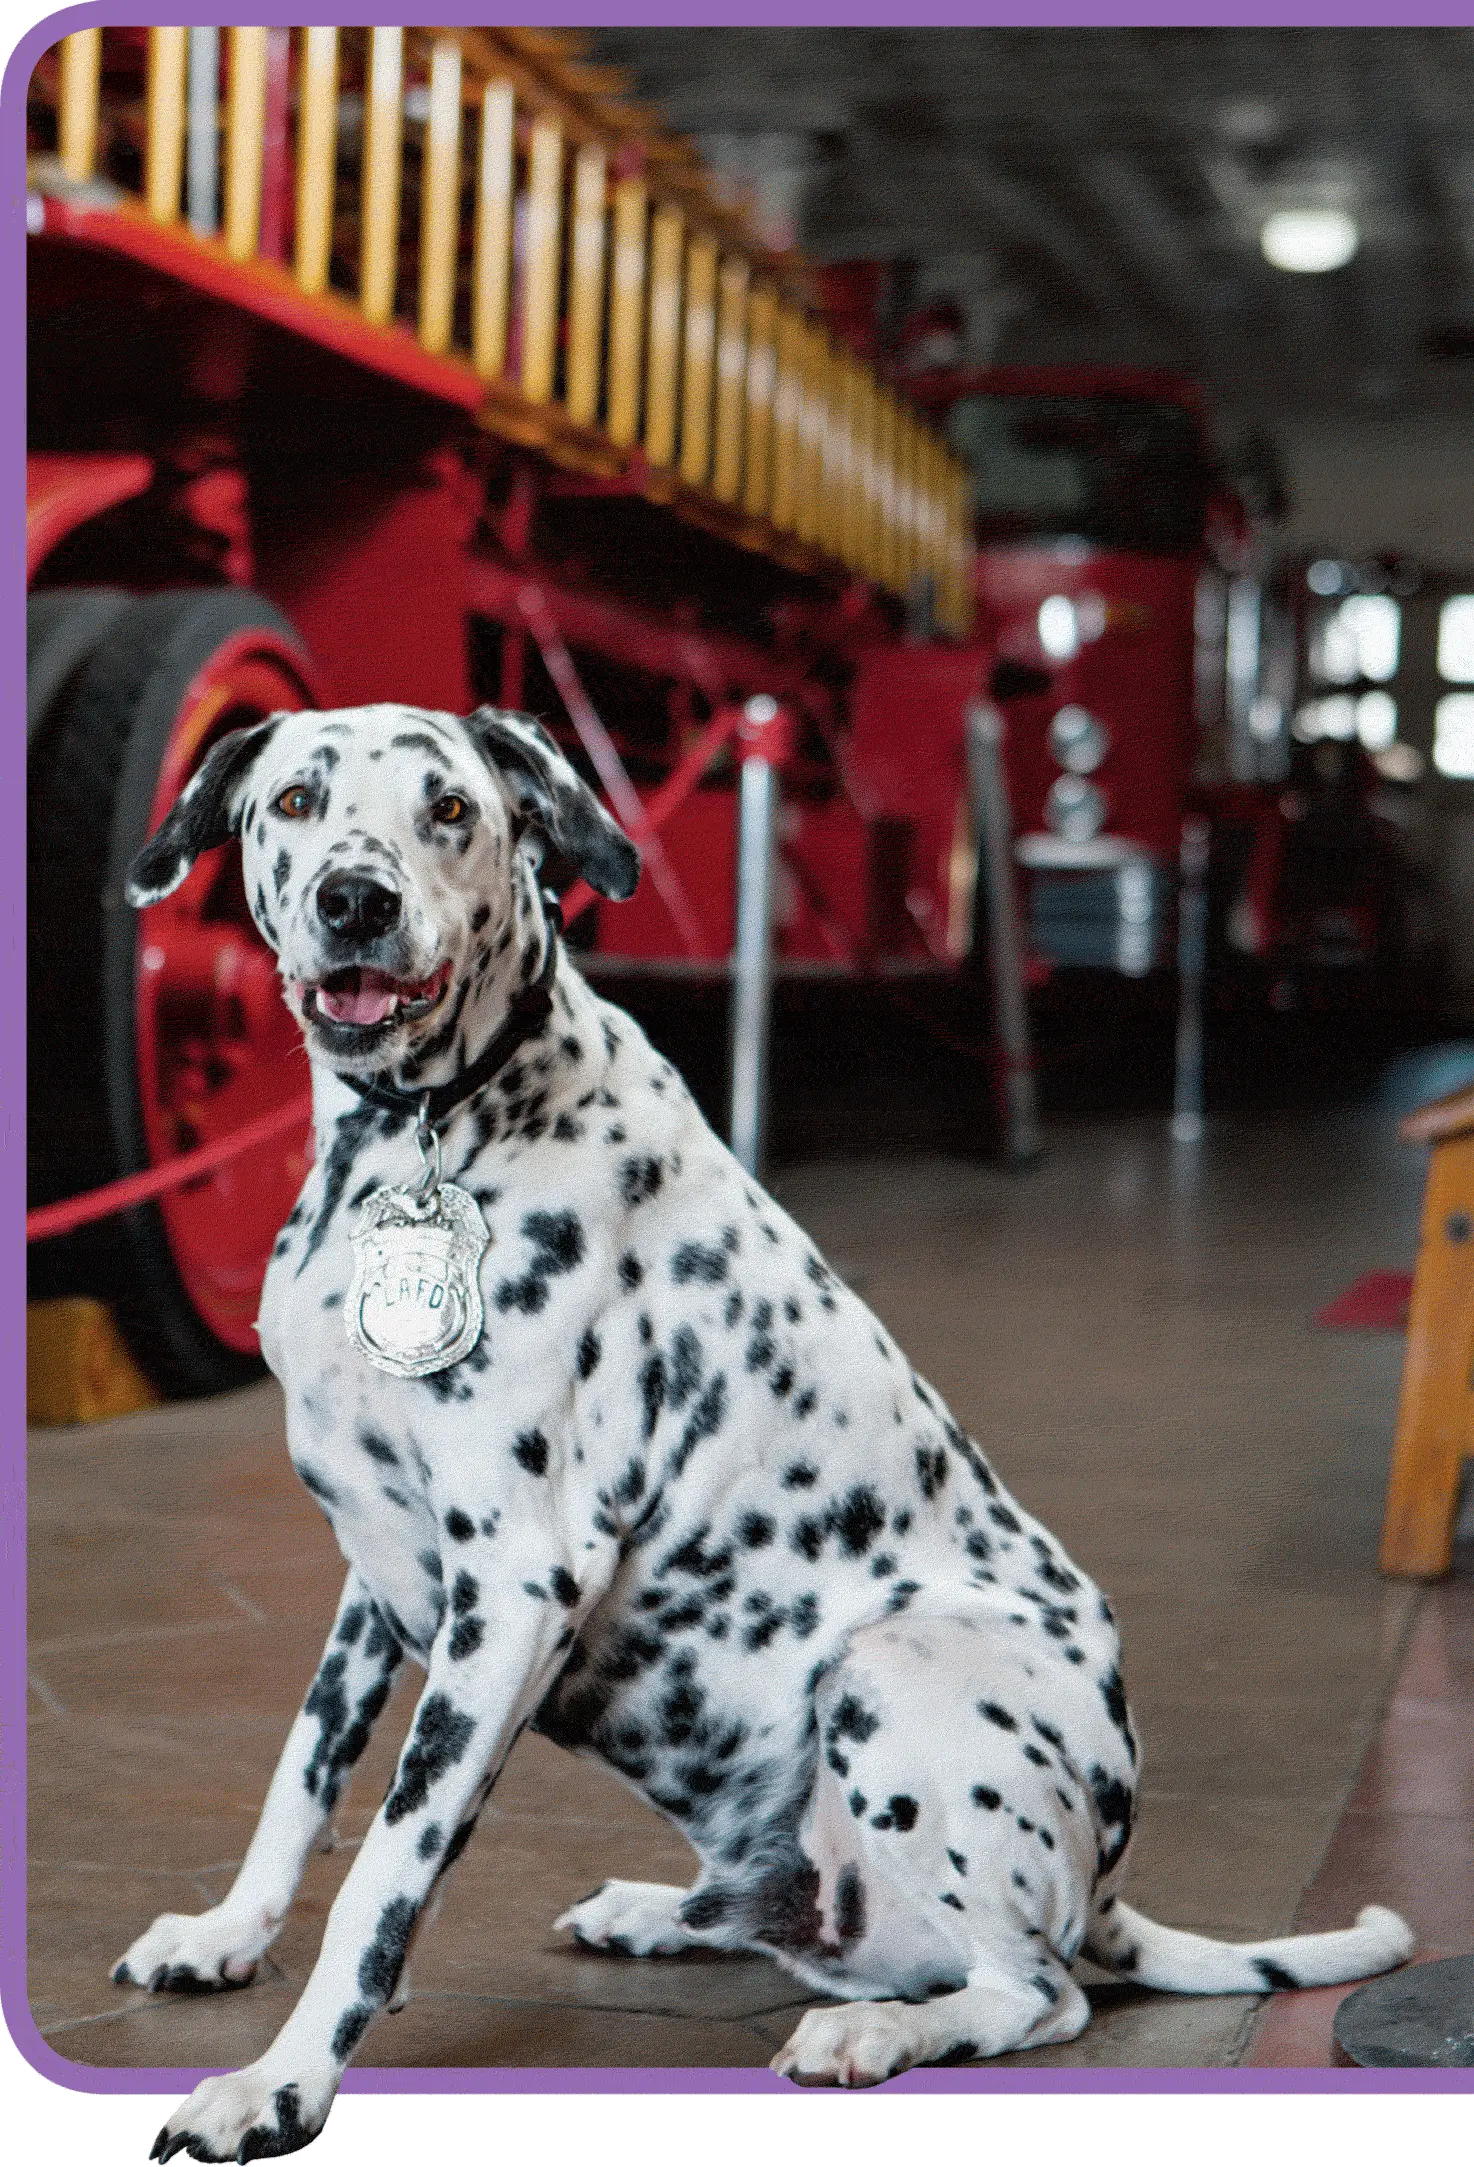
(1435, 1421)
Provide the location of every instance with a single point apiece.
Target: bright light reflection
(1309, 240)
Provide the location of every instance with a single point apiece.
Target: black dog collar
(529, 1011)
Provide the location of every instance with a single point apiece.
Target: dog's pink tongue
(369, 1002)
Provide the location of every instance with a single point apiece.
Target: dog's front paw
(199, 1955)
(631, 1918)
(861, 2042)
(250, 2115)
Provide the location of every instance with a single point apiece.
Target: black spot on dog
(959, 1860)
(931, 1470)
(1113, 1803)
(314, 1482)
(807, 1537)
(857, 1519)
(441, 1735)
(557, 1242)
(983, 1795)
(706, 1419)
(430, 1841)
(801, 1475)
(706, 1908)
(994, 1714)
(694, 1261)
(685, 1366)
(903, 1811)
(459, 1525)
(1040, 1760)
(755, 1530)
(564, 1586)
(640, 1178)
(1274, 1975)
(954, 1903)
(849, 1904)
(465, 1639)
(589, 1351)
(961, 2050)
(378, 1448)
(383, 1960)
(761, 1345)
(652, 1391)
(1113, 1693)
(852, 1719)
(351, 2026)
(349, 1133)
(531, 1451)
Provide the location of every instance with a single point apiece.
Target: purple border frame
(81, 2077)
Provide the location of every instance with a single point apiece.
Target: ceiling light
(1309, 240)
(1059, 628)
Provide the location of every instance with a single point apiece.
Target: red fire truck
(400, 364)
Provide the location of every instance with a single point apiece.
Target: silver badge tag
(415, 1303)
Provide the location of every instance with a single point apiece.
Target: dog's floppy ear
(550, 792)
(206, 812)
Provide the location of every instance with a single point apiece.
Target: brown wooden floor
(1133, 1342)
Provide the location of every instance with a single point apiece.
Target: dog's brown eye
(450, 810)
(295, 803)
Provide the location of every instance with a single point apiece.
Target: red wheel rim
(216, 1045)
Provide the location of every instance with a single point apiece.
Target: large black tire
(90, 794)
(63, 627)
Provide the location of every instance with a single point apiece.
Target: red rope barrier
(75, 1211)
(50, 1220)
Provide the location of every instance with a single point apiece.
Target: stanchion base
(1422, 2018)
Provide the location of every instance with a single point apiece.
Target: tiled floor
(1131, 1340)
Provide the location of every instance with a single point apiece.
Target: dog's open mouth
(368, 999)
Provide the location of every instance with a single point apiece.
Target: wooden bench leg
(1433, 1422)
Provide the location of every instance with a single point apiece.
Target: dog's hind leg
(641, 1918)
(1013, 1999)
(951, 1858)
(180, 1954)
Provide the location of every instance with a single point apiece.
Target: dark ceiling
(1098, 194)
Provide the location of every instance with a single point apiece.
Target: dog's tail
(1122, 1941)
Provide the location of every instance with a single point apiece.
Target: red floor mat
(1377, 1302)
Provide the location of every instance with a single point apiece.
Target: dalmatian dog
(684, 1505)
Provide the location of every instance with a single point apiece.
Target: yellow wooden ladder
(1435, 1423)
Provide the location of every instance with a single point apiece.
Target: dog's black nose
(351, 903)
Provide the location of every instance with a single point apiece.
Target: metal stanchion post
(1192, 950)
(763, 736)
(992, 820)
